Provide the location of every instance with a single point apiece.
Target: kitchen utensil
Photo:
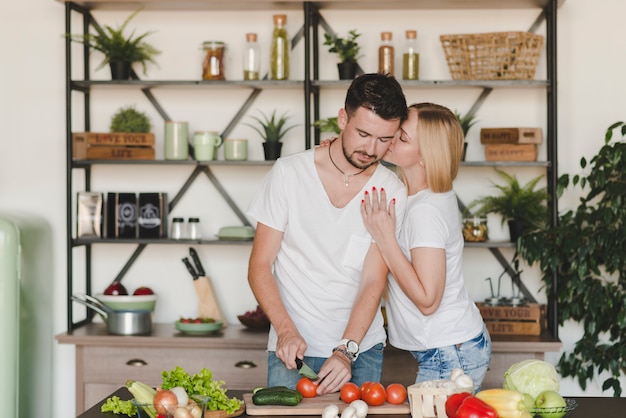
(128, 302)
(304, 370)
(242, 233)
(203, 328)
(118, 322)
(208, 307)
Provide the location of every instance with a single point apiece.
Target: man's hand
(289, 346)
(335, 372)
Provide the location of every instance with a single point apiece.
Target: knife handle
(190, 268)
(196, 260)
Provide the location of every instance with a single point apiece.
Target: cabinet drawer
(238, 368)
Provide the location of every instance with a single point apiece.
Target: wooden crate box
(529, 319)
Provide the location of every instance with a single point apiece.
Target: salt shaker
(194, 228)
(176, 231)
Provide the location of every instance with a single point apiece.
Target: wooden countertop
(237, 336)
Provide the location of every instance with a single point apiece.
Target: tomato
(350, 392)
(306, 387)
(364, 387)
(375, 394)
(396, 393)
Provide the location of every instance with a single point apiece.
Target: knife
(196, 261)
(304, 370)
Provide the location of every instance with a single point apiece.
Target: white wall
(32, 114)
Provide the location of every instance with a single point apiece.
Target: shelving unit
(311, 87)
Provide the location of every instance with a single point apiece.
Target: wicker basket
(430, 402)
(492, 56)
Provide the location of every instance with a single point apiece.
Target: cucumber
(268, 388)
(277, 396)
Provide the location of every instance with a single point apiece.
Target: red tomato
(350, 392)
(374, 394)
(396, 393)
(364, 387)
(306, 387)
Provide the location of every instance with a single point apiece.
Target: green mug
(205, 144)
(236, 149)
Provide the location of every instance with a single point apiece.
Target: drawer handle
(136, 362)
(245, 364)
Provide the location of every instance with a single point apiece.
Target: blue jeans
(367, 368)
(472, 356)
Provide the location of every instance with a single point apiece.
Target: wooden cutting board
(315, 406)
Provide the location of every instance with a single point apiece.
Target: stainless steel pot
(118, 322)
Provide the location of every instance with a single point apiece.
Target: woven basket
(492, 56)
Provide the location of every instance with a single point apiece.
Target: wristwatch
(352, 348)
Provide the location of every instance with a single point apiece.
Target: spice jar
(194, 228)
(279, 62)
(385, 54)
(176, 231)
(410, 57)
(475, 229)
(213, 64)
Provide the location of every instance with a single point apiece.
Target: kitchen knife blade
(306, 371)
(197, 262)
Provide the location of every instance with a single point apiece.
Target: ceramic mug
(236, 149)
(205, 144)
(176, 140)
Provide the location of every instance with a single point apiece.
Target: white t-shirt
(433, 220)
(318, 266)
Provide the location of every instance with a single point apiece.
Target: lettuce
(532, 377)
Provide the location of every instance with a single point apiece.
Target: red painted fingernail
(393, 200)
(374, 188)
(382, 189)
(362, 200)
(366, 192)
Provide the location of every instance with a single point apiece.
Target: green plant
(515, 202)
(273, 128)
(328, 125)
(585, 251)
(466, 121)
(347, 48)
(116, 47)
(130, 120)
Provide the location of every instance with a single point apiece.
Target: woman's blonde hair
(440, 139)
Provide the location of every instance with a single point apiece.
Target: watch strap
(345, 353)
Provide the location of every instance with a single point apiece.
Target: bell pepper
(472, 407)
(508, 403)
(453, 402)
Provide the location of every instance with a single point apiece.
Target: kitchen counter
(586, 407)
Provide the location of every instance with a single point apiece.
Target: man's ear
(342, 119)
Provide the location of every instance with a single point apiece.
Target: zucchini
(277, 396)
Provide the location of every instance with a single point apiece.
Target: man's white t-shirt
(433, 220)
(318, 266)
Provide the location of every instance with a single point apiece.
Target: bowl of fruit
(255, 320)
(117, 297)
(198, 326)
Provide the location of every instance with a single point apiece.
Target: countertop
(586, 407)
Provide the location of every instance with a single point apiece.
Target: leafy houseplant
(466, 121)
(272, 130)
(328, 125)
(524, 207)
(584, 250)
(130, 120)
(348, 50)
(119, 49)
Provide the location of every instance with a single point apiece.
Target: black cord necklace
(346, 177)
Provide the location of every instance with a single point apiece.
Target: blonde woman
(430, 312)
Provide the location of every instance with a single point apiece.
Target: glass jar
(213, 64)
(410, 57)
(385, 54)
(194, 228)
(251, 58)
(279, 63)
(475, 229)
(176, 230)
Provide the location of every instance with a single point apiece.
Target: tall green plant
(586, 251)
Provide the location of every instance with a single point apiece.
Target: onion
(165, 402)
(181, 395)
(182, 412)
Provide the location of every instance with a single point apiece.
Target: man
(313, 268)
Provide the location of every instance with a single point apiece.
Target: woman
(429, 311)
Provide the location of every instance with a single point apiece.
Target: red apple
(116, 289)
(143, 290)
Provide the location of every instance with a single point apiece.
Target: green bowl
(129, 302)
(199, 329)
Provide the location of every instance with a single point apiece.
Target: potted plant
(523, 207)
(128, 119)
(466, 121)
(272, 129)
(348, 50)
(120, 52)
(328, 125)
(584, 252)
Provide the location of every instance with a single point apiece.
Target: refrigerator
(26, 316)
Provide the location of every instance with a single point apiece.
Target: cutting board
(315, 406)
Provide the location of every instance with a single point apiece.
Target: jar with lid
(251, 58)
(279, 63)
(213, 64)
(176, 231)
(194, 228)
(475, 229)
(385, 54)
(410, 57)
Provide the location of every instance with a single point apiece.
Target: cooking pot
(118, 322)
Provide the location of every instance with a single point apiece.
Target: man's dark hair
(380, 93)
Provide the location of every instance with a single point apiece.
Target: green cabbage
(532, 377)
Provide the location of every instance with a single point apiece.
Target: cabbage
(532, 377)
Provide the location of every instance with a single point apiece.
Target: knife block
(208, 306)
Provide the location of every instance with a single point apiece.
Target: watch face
(352, 347)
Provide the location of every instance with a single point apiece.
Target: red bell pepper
(453, 402)
(472, 407)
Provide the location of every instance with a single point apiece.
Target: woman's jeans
(472, 356)
(366, 368)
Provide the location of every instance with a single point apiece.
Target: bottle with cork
(279, 63)
(386, 54)
(251, 58)
(410, 57)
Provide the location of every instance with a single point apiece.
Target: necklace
(346, 177)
